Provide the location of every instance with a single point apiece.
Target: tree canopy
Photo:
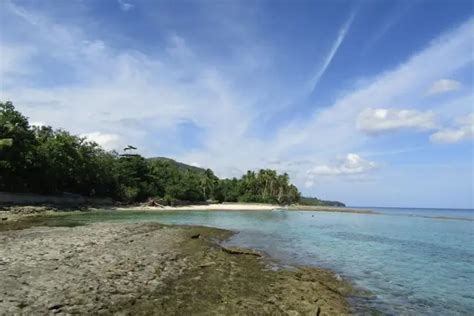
(47, 161)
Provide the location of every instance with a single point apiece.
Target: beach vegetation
(43, 160)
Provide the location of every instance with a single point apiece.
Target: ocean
(413, 261)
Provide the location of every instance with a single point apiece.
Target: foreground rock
(152, 269)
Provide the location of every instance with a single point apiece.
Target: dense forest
(40, 159)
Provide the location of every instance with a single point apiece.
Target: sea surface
(414, 261)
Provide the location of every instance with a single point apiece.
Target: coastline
(14, 214)
(245, 207)
(135, 268)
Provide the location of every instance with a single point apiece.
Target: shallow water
(414, 262)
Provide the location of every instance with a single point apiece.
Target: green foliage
(267, 186)
(47, 161)
(6, 142)
(16, 158)
(228, 190)
(179, 165)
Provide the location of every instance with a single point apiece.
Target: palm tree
(208, 183)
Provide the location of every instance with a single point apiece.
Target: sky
(365, 102)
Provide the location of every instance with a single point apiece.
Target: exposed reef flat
(104, 268)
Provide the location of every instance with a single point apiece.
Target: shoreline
(15, 212)
(246, 207)
(175, 269)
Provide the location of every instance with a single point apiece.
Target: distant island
(42, 160)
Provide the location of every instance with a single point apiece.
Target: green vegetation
(178, 164)
(313, 201)
(46, 161)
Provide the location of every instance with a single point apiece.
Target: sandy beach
(150, 268)
(248, 207)
(207, 207)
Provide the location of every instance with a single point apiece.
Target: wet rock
(207, 264)
(272, 299)
(55, 306)
(241, 251)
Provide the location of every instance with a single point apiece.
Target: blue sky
(368, 102)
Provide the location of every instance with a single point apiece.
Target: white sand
(210, 207)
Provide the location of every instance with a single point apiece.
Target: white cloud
(451, 136)
(107, 141)
(351, 164)
(124, 6)
(443, 86)
(38, 124)
(464, 130)
(309, 183)
(140, 97)
(331, 130)
(377, 121)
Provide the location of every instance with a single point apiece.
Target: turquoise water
(411, 260)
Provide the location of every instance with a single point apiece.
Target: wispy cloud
(118, 86)
(16, 63)
(313, 82)
(125, 6)
(463, 131)
(443, 86)
(389, 22)
(379, 121)
(333, 130)
(335, 125)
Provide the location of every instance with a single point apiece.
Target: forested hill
(40, 159)
(178, 164)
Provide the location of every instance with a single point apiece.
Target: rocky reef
(105, 268)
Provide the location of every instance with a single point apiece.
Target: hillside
(178, 164)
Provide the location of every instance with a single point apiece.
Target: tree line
(43, 160)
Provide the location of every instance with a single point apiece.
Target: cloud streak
(332, 52)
